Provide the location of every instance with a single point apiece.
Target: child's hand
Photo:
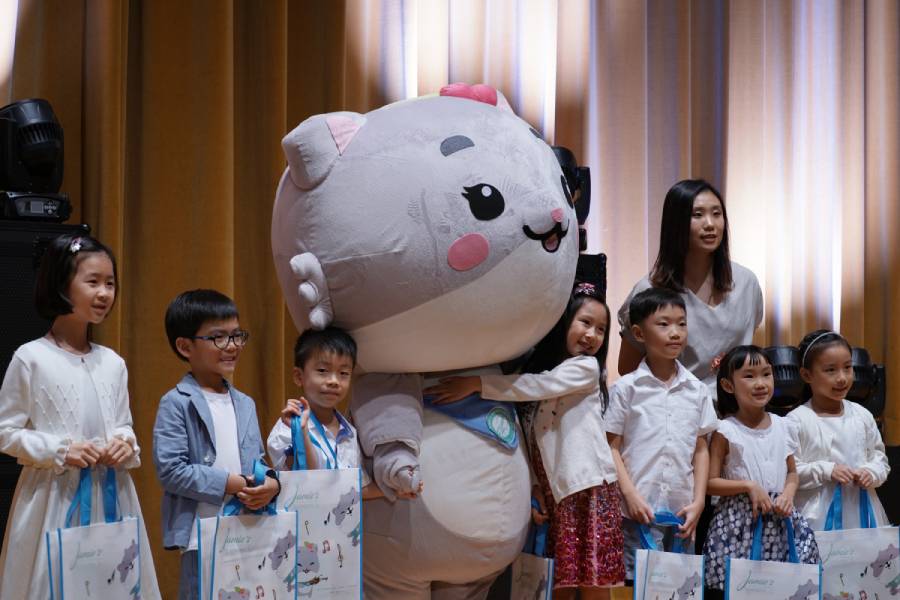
(257, 497)
(637, 509)
(116, 452)
(82, 454)
(299, 408)
(863, 478)
(454, 389)
(690, 514)
(784, 505)
(842, 474)
(759, 499)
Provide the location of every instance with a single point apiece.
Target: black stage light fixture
(578, 180)
(868, 382)
(788, 384)
(31, 162)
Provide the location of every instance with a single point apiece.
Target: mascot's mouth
(550, 239)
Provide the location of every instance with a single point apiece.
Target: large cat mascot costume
(440, 233)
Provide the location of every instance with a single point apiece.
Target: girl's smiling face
(830, 374)
(588, 329)
(92, 290)
(752, 384)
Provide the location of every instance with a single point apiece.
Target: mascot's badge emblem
(501, 424)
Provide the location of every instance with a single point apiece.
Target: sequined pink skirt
(585, 537)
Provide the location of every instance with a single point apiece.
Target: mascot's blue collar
(488, 418)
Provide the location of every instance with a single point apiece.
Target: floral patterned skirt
(585, 535)
(731, 534)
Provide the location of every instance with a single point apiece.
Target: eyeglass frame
(231, 338)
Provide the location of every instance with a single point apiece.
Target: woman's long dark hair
(551, 350)
(675, 237)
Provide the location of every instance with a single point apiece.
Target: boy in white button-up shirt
(657, 422)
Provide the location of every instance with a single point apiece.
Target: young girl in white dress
(839, 440)
(64, 407)
(751, 466)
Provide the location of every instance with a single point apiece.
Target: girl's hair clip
(75, 246)
(588, 289)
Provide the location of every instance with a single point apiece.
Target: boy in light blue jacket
(206, 435)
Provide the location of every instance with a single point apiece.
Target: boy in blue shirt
(206, 435)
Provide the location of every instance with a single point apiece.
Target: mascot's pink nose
(557, 214)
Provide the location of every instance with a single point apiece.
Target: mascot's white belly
(470, 521)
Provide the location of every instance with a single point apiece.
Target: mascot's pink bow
(479, 91)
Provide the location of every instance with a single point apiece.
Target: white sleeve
(876, 460)
(577, 374)
(708, 419)
(278, 444)
(617, 411)
(124, 426)
(812, 474)
(31, 447)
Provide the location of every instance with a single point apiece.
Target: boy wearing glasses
(206, 435)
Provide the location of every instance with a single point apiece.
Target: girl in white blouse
(839, 440)
(64, 407)
(751, 466)
(577, 485)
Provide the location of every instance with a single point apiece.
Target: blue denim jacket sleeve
(179, 472)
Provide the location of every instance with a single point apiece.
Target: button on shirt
(659, 425)
(345, 443)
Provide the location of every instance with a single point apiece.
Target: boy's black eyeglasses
(221, 340)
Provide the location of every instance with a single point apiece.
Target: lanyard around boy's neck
(331, 449)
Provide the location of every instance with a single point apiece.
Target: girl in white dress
(752, 468)
(839, 440)
(722, 299)
(63, 407)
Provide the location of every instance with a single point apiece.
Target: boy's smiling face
(325, 378)
(207, 361)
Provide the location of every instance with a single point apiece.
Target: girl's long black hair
(551, 350)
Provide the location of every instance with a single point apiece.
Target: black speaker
(22, 244)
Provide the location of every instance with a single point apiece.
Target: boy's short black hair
(58, 266)
(190, 310)
(330, 339)
(651, 300)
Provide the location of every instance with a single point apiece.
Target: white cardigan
(814, 464)
(568, 424)
(39, 404)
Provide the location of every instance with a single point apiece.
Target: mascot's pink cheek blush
(468, 252)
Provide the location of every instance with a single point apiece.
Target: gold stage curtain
(173, 113)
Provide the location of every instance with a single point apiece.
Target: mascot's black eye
(565, 187)
(485, 201)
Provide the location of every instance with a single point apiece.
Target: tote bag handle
(664, 519)
(756, 548)
(834, 519)
(81, 502)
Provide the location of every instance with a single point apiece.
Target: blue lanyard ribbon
(834, 519)
(663, 519)
(331, 450)
(298, 446)
(82, 499)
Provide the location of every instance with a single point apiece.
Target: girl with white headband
(840, 444)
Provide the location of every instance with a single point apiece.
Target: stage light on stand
(788, 384)
(31, 163)
(578, 180)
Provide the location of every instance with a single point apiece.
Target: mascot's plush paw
(313, 289)
(396, 470)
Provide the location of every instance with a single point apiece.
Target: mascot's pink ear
(315, 144)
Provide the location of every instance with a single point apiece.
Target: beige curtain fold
(173, 113)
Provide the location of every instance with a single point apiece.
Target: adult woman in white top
(723, 300)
